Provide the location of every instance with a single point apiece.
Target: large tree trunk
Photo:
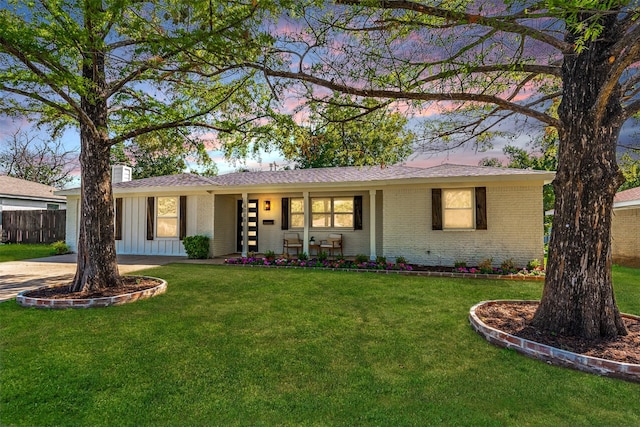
(578, 297)
(97, 265)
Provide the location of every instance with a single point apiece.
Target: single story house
(20, 195)
(430, 216)
(625, 228)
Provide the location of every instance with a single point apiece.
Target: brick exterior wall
(515, 228)
(625, 236)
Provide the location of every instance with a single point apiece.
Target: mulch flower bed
(129, 285)
(515, 318)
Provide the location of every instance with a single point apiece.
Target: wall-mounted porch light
(267, 205)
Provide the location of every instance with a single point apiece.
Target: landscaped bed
(249, 346)
(381, 264)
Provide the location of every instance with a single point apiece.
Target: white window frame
(471, 209)
(332, 212)
(293, 213)
(167, 217)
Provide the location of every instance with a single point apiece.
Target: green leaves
(341, 132)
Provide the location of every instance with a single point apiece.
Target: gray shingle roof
(180, 180)
(347, 175)
(363, 174)
(15, 187)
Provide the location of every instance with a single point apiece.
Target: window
(336, 212)
(457, 208)
(167, 225)
(297, 212)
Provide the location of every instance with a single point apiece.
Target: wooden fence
(37, 226)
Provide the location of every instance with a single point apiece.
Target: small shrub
(508, 265)
(340, 257)
(381, 259)
(270, 255)
(460, 264)
(197, 247)
(485, 266)
(534, 264)
(303, 256)
(361, 258)
(401, 260)
(60, 247)
(322, 256)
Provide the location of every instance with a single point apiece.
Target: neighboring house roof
(627, 199)
(17, 188)
(336, 176)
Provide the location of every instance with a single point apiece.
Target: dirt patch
(128, 285)
(515, 318)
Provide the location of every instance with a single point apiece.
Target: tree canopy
(163, 153)
(121, 69)
(567, 65)
(339, 133)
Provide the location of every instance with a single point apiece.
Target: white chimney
(120, 173)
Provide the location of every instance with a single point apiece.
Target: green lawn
(18, 251)
(252, 346)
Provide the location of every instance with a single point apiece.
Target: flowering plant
(316, 262)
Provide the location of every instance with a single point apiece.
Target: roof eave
(36, 198)
(461, 180)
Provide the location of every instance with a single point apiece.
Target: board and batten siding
(134, 223)
(73, 223)
(515, 228)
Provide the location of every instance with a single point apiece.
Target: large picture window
(332, 212)
(457, 208)
(167, 217)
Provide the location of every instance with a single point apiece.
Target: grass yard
(250, 346)
(18, 251)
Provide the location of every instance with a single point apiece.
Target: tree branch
(503, 23)
(387, 94)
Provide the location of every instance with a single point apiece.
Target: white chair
(291, 241)
(332, 243)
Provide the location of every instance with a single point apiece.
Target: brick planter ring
(26, 301)
(553, 355)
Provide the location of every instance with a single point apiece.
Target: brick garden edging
(405, 272)
(24, 300)
(553, 355)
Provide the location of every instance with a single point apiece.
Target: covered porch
(256, 222)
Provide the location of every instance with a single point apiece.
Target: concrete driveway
(18, 276)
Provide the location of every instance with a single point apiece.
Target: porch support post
(372, 225)
(307, 215)
(245, 224)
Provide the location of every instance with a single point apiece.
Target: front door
(252, 226)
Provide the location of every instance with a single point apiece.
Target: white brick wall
(625, 233)
(515, 228)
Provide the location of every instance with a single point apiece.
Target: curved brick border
(24, 300)
(555, 356)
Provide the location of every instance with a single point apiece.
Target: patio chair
(291, 241)
(332, 243)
